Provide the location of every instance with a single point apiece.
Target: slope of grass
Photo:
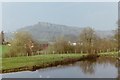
(3, 49)
(15, 62)
(115, 54)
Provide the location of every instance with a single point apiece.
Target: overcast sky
(100, 16)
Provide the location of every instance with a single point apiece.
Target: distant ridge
(44, 31)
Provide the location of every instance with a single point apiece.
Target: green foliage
(21, 45)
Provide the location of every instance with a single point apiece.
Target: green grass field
(115, 54)
(3, 49)
(16, 62)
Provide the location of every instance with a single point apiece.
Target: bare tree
(22, 43)
(88, 38)
(62, 46)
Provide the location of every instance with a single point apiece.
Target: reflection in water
(102, 67)
(89, 66)
(107, 60)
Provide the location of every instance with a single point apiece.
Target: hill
(44, 31)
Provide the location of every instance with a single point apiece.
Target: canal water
(102, 67)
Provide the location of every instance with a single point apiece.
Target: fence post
(81, 52)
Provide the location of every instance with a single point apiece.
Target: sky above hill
(98, 15)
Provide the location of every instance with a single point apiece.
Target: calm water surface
(103, 67)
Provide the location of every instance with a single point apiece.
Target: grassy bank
(42, 60)
(4, 49)
(112, 54)
(16, 62)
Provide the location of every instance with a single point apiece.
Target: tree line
(88, 41)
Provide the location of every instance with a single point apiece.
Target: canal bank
(32, 63)
(101, 67)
